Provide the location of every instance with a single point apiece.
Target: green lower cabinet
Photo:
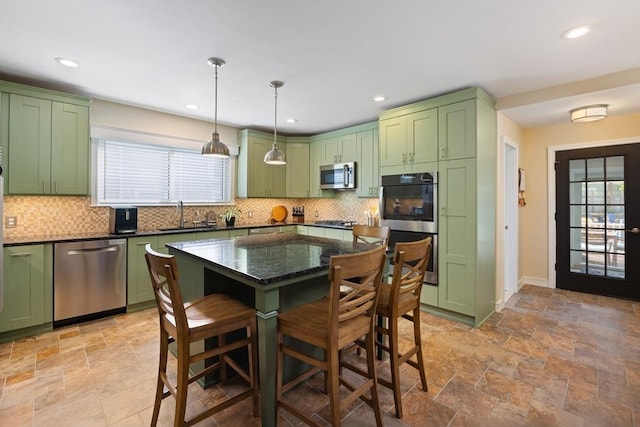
(139, 288)
(27, 294)
(429, 295)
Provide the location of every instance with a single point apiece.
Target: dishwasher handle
(92, 250)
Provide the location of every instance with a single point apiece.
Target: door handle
(634, 230)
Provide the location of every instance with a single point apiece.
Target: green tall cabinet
(45, 140)
(297, 169)
(27, 279)
(256, 178)
(467, 208)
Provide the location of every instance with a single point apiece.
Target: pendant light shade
(275, 156)
(215, 147)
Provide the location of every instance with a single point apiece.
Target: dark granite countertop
(268, 258)
(71, 237)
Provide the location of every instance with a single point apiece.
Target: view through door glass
(597, 220)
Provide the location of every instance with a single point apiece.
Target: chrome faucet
(181, 210)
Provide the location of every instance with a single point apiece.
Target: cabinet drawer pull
(21, 254)
(143, 243)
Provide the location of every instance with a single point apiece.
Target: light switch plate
(12, 222)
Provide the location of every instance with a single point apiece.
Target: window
(135, 173)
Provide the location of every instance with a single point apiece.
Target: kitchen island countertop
(269, 258)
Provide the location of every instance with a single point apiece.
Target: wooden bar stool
(402, 300)
(332, 324)
(210, 316)
(399, 300)
(371, 234)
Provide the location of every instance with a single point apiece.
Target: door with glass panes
(598, 220)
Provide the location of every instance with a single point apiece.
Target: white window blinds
(133, 173)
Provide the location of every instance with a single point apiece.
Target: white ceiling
(333, 56)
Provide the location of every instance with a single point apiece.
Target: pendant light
(275, 156)
(215, 147)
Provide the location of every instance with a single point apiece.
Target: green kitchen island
(271, 272)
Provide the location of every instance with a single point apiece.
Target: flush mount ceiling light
(589, 113)
(576, 32)
(215, 147)
(67, 62)
(275, 156)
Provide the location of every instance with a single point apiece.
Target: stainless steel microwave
(338, 176)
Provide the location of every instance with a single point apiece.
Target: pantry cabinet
(45, 138)
(255, 177)
(27, 294)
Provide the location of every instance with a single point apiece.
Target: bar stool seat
(211, 316)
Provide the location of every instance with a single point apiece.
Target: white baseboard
(533, 281)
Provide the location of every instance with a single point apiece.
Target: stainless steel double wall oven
(409, 206)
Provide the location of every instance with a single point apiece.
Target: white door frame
(510, 209)
(551, 192)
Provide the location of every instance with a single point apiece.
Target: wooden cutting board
(279, 213)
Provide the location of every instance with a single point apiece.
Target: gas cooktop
(337, 222)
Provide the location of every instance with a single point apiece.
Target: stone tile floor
(550, 358)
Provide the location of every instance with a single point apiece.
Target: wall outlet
(12, 222)
(250, 214)
(316, 214)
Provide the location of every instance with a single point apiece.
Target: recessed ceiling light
(379, 98)
(191, 106)
(67, 62)
(576, 32)
(291, 120)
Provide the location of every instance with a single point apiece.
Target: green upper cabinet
(45, 138)
(255, 177)
(339, 149)
(457, 130)
(69, 149)
(297, 168)
(367, 166)
(409, 139)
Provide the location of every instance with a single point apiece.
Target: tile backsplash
(63, 215)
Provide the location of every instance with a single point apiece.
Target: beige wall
(110, 114)
(533, 158)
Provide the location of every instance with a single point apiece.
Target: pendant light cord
(215, 105)
(275, 120)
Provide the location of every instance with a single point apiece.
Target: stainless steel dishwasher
(89, 280)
